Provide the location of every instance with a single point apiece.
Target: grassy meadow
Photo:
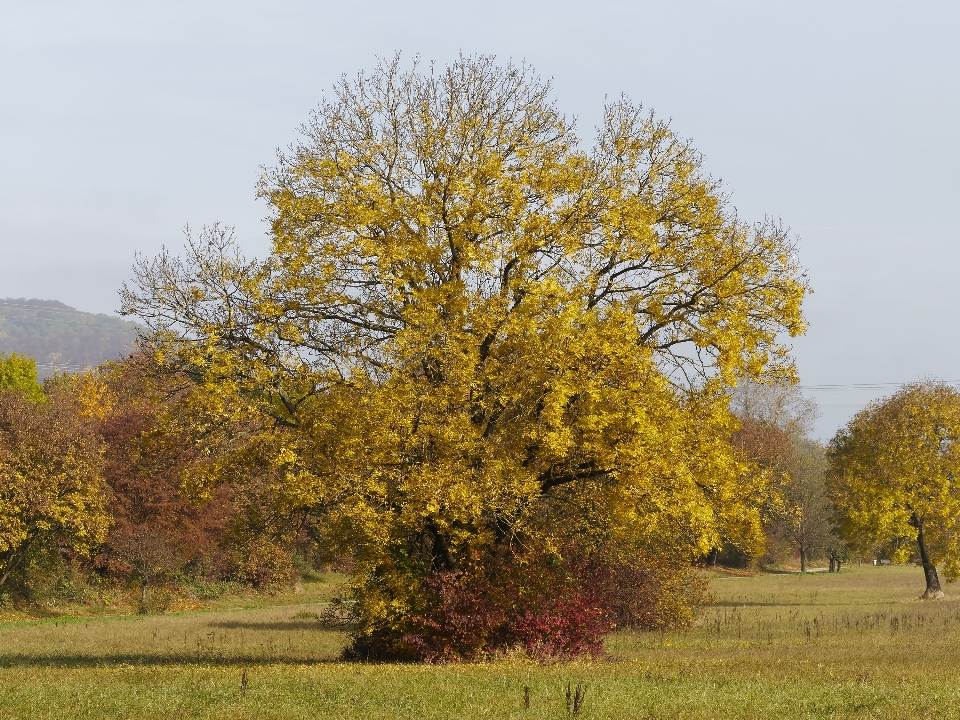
(853, 645)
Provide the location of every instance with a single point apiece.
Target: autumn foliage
(799, 517)
(143, 468)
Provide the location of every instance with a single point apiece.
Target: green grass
(853, 645)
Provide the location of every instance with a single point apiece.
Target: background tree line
(92, 491)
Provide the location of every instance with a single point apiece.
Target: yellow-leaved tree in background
(497, 358)
(895, 476)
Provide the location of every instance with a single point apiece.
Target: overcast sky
(121, 122)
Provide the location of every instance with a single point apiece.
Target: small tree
(807, 512)
(150, 555)
(144, 458)
(19, 372)
(838, 553)
(893, 474)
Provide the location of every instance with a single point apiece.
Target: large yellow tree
(894, 476)
(491, 341)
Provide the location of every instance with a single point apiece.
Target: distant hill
(60, 337)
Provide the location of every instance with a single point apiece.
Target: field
(853, 645)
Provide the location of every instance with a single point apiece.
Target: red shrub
(546, 608)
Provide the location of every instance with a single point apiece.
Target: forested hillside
(59, 336)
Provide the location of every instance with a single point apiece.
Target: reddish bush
(543, 607)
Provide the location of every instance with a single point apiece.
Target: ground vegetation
(782, 645)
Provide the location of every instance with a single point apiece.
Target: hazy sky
(120, 122)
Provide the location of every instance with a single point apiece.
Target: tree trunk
(803, 560)
(13, 558)
(712, 558)
(832, 564)
(143, 597)
(929, 568)
(442, 559)
(8, 566)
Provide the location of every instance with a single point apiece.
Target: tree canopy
(894, 471)
(51, 486)
(489, 349)
(19, 373)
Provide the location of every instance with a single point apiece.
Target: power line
(865, 386)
